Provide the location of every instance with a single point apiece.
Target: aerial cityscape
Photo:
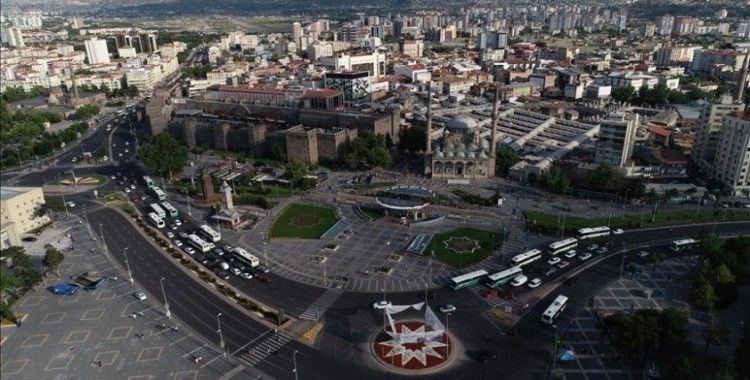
(462, 189)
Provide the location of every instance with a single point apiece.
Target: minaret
(227, 195)
(495, 118)
(75, 85)
(741, 82)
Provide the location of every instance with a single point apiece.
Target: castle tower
(207, 185)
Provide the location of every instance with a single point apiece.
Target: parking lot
(108, 332)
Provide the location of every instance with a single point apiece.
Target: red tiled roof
(659, 131)
(321, 93)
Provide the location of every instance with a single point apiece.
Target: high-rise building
(296, 32)
(666, 24)
(616, 139)
(649, 30)
(14, 36)
(709, 129)
(732, 162)
(20, 213)
(413, 48)
(96, 51)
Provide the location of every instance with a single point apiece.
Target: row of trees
(21, 276)
(716, 285)
(130, 91)
(14, 94)
(366, 151)
(604, 179)
(197, 71)
(659, 94)
(86, 111)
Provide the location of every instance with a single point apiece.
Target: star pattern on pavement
(421, 353)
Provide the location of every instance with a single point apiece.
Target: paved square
(59, 363)
(119, 333)
(77, 337)
(14, 367)
(92, 314)
(35, 340)
(150, 354)
(53, 318)
(107, 357)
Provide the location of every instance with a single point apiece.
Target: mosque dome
(463, 122)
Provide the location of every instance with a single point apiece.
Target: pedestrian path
(321, 305)
(497, 302)
(271, 345)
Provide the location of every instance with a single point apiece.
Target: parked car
(183, 235)
(601, 250)
(228, 248)
(535, 283)
(223, 274)
(585, 256)
(64, 289)
(190, 250)
(246, 275)
(170, 234)
(218, 252)
(177, 242)
(380, 305)
(592, 247)
(236, 272)
(570, 254)
(550, 271)
(177, 222)
(642, 254)
(553, 261)
(563, 265)
(447, 308)
(140, 295)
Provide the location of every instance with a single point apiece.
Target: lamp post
(104, 243)
(554, 353)
(221, 337)
(187, 200)
(164, 294)
(294, 362)
(127, 264)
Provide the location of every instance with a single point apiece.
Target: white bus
(588, 233)
(245, 257)
(155, 220)
(526, 257)
(554, 310)
(503, 277)
(468, 279)
(158, 210)
(171, 211)
(199, 243)
(681, 245)
(148, 181)
(210, 232)
(158, 193)
(562, 246)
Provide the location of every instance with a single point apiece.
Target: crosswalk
(315, 311)
(496, 302)
(256, 354)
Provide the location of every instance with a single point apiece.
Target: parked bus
(562, 246)
(158, 193)
(158, 210)
(199, 243)
(526, 257)
(681, 245)
(148, 181)
(554, 310)
(155, 220)
(468, 279)
(588, 233)
(245, 257)
(171, 211)
(503, 277)
(210, 233)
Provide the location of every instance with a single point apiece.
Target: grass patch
(373, 214)
(303, 222)
(475, 199)
(267, 191)
(371, 186)
(463, 246)
(548, 223)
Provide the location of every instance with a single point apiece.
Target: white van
(519, 280)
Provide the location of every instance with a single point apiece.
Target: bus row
(493, 281)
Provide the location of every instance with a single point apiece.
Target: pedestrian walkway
(315, 311)
(271, 345)
(497, 302)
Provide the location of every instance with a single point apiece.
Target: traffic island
(461, 247)
(408, 352)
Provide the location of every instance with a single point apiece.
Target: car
(534, 283)
(71, 204)
(224, 265)
(262, 269)
(173, 227)
(485, 356)
(139, 295)
(519, 280)
(127, 151)
(143, 197)
(132, 187)
(75, 159)
(228, 248)
(570, 254)
(246, 275)
(218, 252)
(177, 222)
(563, 265)
(642, 254)
(585, 256)
(223, 274)
(380, 305)
(119, 154)
(183, 235)
(592, 247)
(554, 260)
(170, 234)
(112, 177)
(190, 250)
(127, 143)
(550, 271)
(64, 289)
(263, 278)
(127, 190)
(236, 271)
(618, 231)
(601, 250)
(447, 308)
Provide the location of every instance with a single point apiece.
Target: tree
(23, 268)
(86, 111)
(624, 94)
(506, 158)
(603, 178)
(555, 180)
(164, 154)
(704, 297)
(366, 151)
(722, 275)
(52, 257)
(411, 140)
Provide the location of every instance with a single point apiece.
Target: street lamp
(187, 200)
(127, 263)
(221, 337)
(104, 243)
(164, 294)
(294, 361)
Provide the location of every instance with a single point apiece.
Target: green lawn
(463, 240)
(303, 222)
(548, 223)
(374, 214)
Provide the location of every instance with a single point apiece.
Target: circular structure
(404, 198)
(462, 122)
(301, 221)
(411, 355)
